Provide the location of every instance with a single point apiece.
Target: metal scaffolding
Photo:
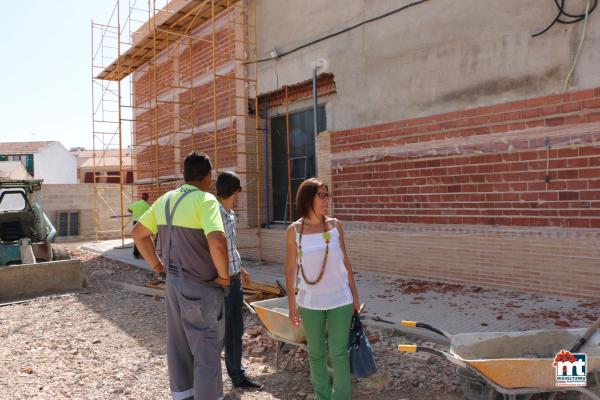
(191, 69)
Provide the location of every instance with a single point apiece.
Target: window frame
(69, 233)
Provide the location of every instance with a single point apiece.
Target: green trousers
(337, 322)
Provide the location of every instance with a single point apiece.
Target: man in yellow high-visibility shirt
(138, 209)
(194, 256)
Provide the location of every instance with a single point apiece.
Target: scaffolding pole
(165, 56)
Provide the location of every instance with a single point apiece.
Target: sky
(45, 69)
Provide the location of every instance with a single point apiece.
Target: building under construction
(460, 141)
(191, 81)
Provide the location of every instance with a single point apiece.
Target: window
(12, 200)
(302, 157)
(68, 223)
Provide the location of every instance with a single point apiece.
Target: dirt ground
(107, 343)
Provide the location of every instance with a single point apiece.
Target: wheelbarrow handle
(586, 336)
(249, 307)
(413, 348)
(413, 324)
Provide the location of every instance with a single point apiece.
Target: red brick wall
(181, 108)
(408, 171)
(205, 142)
(302, 91)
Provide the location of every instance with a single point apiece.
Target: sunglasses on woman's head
(323, 196)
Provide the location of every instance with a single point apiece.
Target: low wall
(555, 261)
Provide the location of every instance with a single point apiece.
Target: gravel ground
(107, 343)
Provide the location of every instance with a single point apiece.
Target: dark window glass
(63, 224)
(89, 177)
(302, 157)
(30, 164)
(73, 224)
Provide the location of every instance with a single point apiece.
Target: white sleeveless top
(333, 289)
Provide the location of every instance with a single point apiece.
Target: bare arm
(217, 244)
(291, 270)
(351, 280)
(142, 237)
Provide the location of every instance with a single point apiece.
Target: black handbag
(362, 363)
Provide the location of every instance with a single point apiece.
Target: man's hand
(142, 237)
(245, 277)
(159, 267)
(221, 281)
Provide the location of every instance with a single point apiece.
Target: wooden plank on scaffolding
(182, 16)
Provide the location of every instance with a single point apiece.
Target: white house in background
(49, 161)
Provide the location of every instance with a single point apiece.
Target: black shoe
(249, 384)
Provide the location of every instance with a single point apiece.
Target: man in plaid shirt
(228, 189)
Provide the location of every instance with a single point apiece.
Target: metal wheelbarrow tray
(515, 363)
(274, 316)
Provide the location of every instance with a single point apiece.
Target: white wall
(55, 165)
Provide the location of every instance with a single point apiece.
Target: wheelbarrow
(273, 314)
(514, 365)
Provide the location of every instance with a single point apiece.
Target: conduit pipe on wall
(314, 95)
(266, 130)
(322, 64)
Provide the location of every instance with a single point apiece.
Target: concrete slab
(29, 280)
(451, 308)
(116, 250)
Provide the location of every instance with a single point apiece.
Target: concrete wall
(55, 165)
(435, 57)
(23, 281)
(80, 197)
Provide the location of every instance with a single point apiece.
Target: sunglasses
(323, 196)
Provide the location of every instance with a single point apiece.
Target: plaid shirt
(230, 224)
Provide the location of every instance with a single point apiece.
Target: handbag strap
(356, 330)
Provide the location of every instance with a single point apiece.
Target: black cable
(578, 16)
(561, 12)
(346, 30)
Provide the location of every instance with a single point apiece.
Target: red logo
(564, 356)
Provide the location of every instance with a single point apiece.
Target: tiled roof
(23, 147)
(107, 162)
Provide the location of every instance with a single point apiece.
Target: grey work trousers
(195, 334)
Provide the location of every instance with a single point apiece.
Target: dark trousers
(234, 329)
(136, 252)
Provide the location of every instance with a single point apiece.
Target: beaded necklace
(327, 238)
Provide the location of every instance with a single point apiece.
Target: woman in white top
(316, 258)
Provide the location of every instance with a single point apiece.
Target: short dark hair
(196, 166)
(306, 195)
(228, 182)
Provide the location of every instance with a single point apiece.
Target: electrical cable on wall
(564, 17)
(387, 14)
(572, 69)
